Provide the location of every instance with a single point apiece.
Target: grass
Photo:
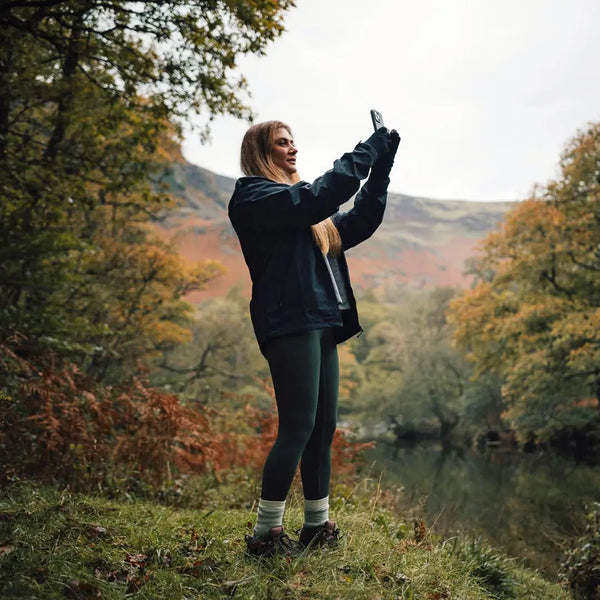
(56, 544)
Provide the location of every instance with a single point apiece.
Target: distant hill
(422, 242)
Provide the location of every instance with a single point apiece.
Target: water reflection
(527, 504)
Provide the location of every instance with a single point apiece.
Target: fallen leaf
(137, 560)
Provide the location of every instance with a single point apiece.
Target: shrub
(580, 568)
(492, 570)
(61, 425)
(58, 424)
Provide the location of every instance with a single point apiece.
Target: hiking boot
(322, 535)
(276, 543)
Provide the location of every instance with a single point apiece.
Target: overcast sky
(484, 93)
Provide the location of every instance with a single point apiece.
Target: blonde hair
(256, 159)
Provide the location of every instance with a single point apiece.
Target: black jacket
(292, 289)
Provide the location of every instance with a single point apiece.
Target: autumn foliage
(64, 426)
(534, 315)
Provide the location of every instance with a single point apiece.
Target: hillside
(422, 242)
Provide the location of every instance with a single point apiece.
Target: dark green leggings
(305, 372)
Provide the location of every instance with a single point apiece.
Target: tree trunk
(5, 70)
(448, 419)
(65, 100)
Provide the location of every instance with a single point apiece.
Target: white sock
(270, 514)
(316, 512)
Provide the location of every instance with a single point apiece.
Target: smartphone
(377, 119)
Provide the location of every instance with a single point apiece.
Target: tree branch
(8, 6)
(551, 277)
(584, 265)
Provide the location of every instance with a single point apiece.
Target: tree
(222, 355)
(534, 317)
(373, 366)
(404, 368)
(167, 57)
(435, 374)
(92, 95)
(92, 98)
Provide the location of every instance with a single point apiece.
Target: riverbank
(55, 544)
(530, 505)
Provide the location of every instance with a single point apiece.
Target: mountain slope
(421, 242)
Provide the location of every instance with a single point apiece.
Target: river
(527, 504)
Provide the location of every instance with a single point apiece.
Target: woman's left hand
(382, 167)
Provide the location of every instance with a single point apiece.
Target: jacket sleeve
(267, 205)
(360, 222)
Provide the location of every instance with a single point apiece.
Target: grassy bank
(54, 544)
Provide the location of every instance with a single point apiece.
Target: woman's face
(284, 152)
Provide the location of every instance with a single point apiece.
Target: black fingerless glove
(383, 165)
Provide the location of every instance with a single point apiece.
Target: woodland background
(122, 361)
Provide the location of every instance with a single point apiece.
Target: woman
(293, 239)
